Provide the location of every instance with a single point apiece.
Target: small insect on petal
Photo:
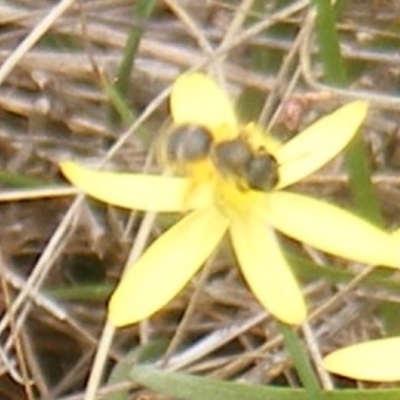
(166, 267)
(376, 360)
(197, 100)
(319, 143)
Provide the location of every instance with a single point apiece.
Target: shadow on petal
(319, 143)
(166, 267)
(266, 270)
(375, 360)
(330, 229)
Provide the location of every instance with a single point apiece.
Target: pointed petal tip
(267, 271)
(294, 316)
(166, 267)
(358, 108)
(138, 191)
(360, 105)
(332, 229)
(319, 143)
(190, 77)
(119, 318)
(67, 167)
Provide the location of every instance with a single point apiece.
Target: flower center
(232, 201)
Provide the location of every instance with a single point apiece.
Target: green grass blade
(143, 11)
(356, 157)
(301, 362)
(189, 387)
(17, 180)
(119, 96)
(328, 40)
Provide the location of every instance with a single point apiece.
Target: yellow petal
(166, 267)
(135, 191)
(376, 360)
(319, 143)
(266, 270)
(331, 229)
(196, 99)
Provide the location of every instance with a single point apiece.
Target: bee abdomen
(262, 172)
(188, 143)
(251, 169)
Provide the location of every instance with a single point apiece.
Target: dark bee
(185, 144)
(250, 169)
(234, 159)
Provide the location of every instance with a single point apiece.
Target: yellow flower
(217, 206)
(375, 360)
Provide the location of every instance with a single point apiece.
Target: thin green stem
(143, 10)
(356, 157)
(118, 97)
(301, 362)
